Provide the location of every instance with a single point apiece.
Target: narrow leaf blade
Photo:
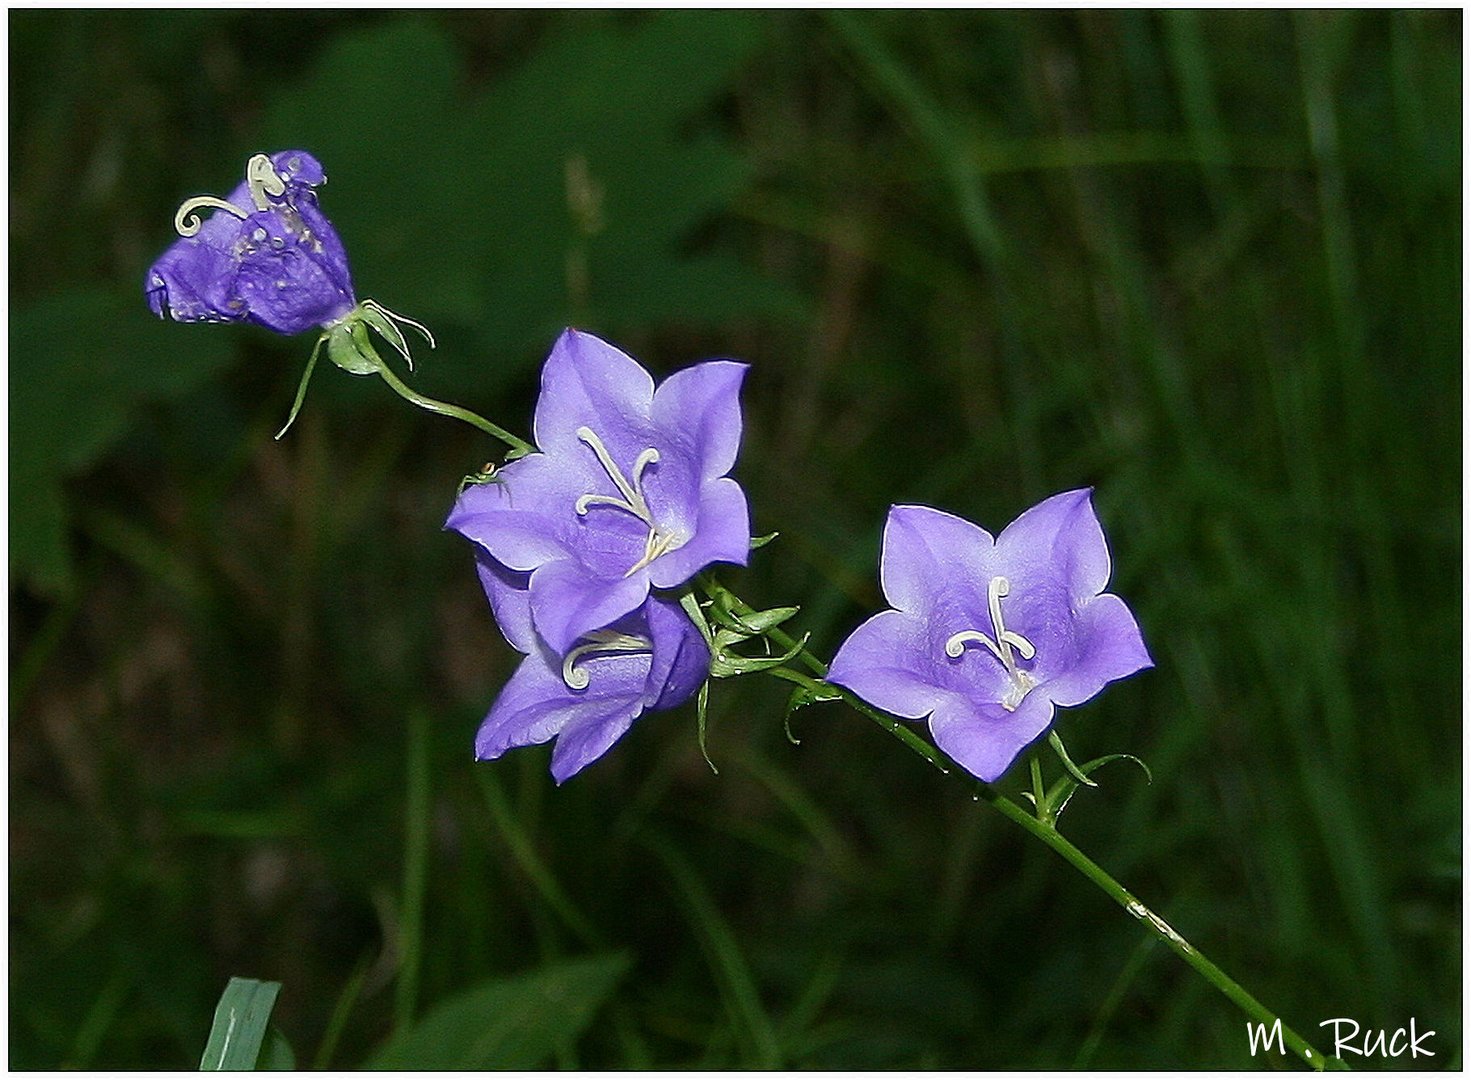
(241, 1020)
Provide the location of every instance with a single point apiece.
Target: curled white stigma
(260, 177)
(187, 221)
(262, 180)
(599, 641)
(1001, 645)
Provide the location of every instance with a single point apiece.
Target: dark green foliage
(515, 1023)
(1209, 262)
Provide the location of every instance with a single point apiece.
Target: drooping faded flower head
(267, 255)
(629, 490)
(653, 658)
(987, 635)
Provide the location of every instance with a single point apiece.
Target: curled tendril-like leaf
(1055, 741)
(1066, 787)
(803, 696)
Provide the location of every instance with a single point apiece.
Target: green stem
(519, 445)
(1041, 829)
(1039, 790)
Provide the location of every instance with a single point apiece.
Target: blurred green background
(1206, 261)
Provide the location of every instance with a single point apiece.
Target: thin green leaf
(241, 1019)
(1063, 790)
(702, 702)
(762, 541)
(801, 697)
(1055, 741)
(691, 605)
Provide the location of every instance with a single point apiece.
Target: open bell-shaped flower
(628, 491)
(651, 659)
(987, 635)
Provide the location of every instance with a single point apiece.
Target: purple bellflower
(629, 490)
(269, 256)
(987, 635)
(650, 659)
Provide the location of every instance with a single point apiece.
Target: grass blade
(241, 1019)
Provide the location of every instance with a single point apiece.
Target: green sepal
(390, 333)
(1066, 787)
(762, 541)
(702, 703)
(306, 377)
(803, 696)
(691, 605)
(726, 664)
(349, 348)
(755, 624)
(1055, 741)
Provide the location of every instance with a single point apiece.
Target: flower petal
(681, 660)
(591, 736)
(567, 602)
(923, 549)
(721, 533)
(510, 600)
(983, 737)
(1061, 537)
(520, 516)
(1110, 647)
(588, 383)
(698, 411)
(536, 704)
(194, 282)
(883, 663)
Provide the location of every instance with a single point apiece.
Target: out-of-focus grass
(1206, 261)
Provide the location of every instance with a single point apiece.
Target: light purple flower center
(1004, 644)
(597, 643)
(630, 499)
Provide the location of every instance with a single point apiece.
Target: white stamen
(1001, 645)
(660, 540)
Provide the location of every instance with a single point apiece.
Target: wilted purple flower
(986, 636)
(628, 491)
(652, 658)
(267, 255)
